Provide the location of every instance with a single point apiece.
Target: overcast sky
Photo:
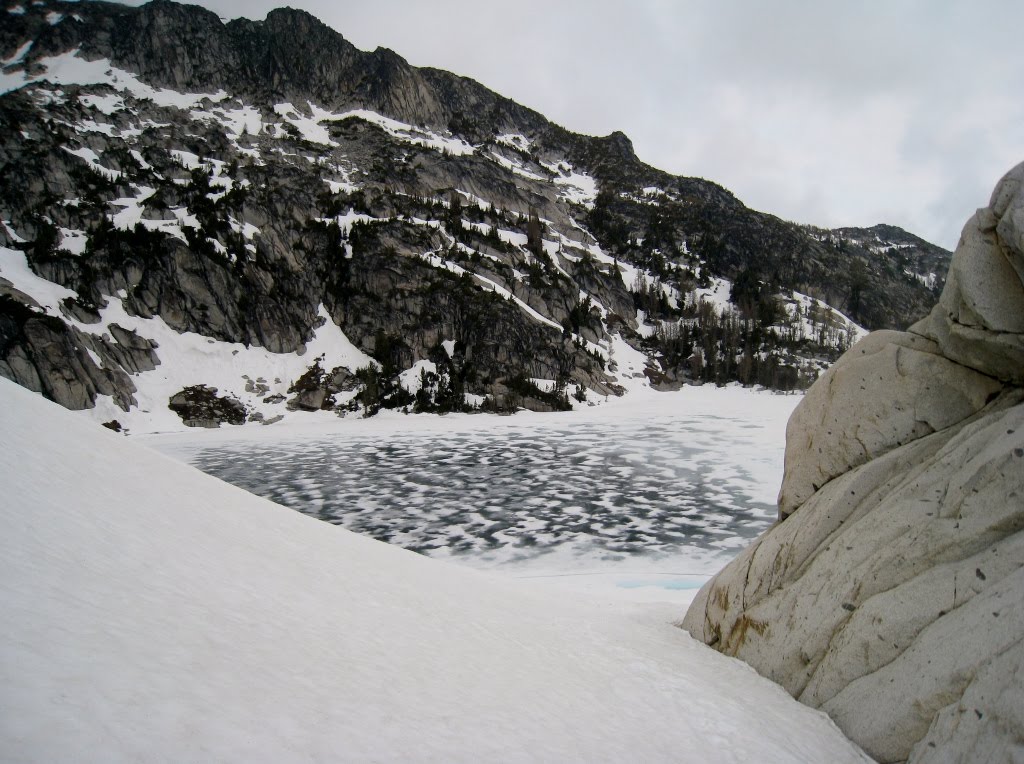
(820, 111)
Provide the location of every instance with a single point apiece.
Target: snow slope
(152, 613)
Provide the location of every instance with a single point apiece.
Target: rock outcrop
(891, 592)
(200, 406)
(232, 179)
(45, 355)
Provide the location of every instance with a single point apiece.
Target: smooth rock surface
(979, 321)
(892, 595)
(890, 388)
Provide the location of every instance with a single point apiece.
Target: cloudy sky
(820, 111)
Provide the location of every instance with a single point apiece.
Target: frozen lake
(670, 486)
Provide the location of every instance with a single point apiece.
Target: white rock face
(892, 596)
(889, 389)
(979, 321)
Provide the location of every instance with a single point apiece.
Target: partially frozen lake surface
(670, 485)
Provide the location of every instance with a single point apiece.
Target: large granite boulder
(891, 592)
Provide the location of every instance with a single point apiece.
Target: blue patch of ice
(665, 583)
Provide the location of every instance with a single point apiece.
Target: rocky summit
(891, 592)
(206, 222)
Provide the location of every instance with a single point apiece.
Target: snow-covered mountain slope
(179, 174)
(152, 613)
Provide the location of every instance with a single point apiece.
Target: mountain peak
(366, 233)
(621, 144)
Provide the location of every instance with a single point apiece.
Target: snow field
(71, 69)
(191, 359)
(154, 613)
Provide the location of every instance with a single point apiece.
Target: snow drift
(152, 613)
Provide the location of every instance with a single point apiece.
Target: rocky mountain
(891, 592)
(206, 222)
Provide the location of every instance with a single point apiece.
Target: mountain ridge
(183, 161)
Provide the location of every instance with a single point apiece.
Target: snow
(11, 232)
(131, 214)
(416, 135)
(192, 359)
(544, 385)
(247, 229)
(717, 294)
(154, 613)
(839, 330)
(837, 327)
(645, 329)
(411, 134)
(14, 267)
(576, 187)
(927, 279)
(95, 358)
(140, 159)
(437, 261)
(351, 217)
(515, 140)
(627, 365)
(93, 160)
(638, 497)
(185, 219)
(70, 69)
(479, 201)
(513, 237)
(309, 127)
(410, 378)
(515, 167)
(341, 186)
(187, 159)
(73, 240)
(92, 126)
(312, 129)
(237, 121)
(250, 374)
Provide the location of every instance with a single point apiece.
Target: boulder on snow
(892, 595)
(200, 406)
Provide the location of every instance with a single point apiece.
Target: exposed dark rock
(200, 406)
(44, 354)
(243, 242)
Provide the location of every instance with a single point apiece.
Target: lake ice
(658, 492)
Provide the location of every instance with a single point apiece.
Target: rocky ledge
(890, 593)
